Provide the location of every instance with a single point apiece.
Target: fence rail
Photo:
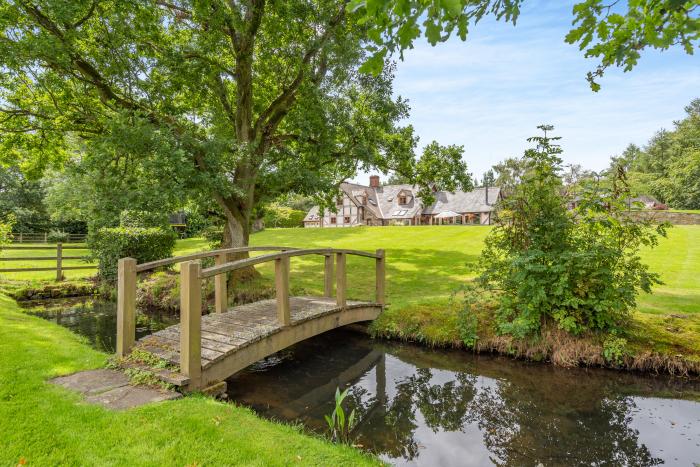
(59, 267)
(43, 237)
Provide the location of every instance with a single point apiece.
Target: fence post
(381, 277)
(220, 287)
(46, 237)
(20, 237)
(328, 276)
(282, 289)
(126, 306)
(341, 280)
(59, 262)
(191, 322)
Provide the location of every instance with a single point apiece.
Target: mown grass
(41, 424)
(426, 264)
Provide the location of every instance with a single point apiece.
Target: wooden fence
(43, 237)
(59, 268)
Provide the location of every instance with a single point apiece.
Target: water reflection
(95, 319)
(428, 407)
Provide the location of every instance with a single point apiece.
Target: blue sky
(490, 92)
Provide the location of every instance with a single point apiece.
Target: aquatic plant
(339, 427)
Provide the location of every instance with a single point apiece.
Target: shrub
(5, 232)
(58, 236)
(579, 268)
(108, 245)
(145, 219)
(283, 216)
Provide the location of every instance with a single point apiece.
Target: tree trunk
(237, 234)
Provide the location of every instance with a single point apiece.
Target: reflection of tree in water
(523, 425)
(389, 426)
(524, 419)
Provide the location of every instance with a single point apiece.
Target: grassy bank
(426, 264)
(41, 424)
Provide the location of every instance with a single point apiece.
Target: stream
(421, 406)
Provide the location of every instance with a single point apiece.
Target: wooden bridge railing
(192, 275)
(126, 287)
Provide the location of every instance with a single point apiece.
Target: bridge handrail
(244, 263)
(207, 254)
(191, 279)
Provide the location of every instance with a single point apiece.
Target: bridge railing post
(282, 290)
(220, 287)
(341, 280)
(328, 275)
(126, 305)
(191, 322)
(381, 277)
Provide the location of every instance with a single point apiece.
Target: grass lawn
(426, 264)
(41, 424)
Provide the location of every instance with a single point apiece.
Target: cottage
(378, 204)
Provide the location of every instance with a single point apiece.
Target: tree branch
(269, 119)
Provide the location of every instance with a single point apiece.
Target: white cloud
(490, 92)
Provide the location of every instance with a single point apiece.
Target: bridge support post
(220, 287)
(126, 306)
(191, 322)
(328, 276)
(341, 280)
(282, 288)
(381, 277)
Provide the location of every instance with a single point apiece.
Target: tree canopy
(668, 167)
(613, 32)
(239, 101)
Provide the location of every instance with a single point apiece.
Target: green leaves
(577, 267)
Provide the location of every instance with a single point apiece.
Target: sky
(489, 93)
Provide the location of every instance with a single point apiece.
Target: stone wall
(676, 218)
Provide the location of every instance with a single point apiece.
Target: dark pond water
(438, 408)
(430, 407)
(96, 319)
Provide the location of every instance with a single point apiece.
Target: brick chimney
(374, 181)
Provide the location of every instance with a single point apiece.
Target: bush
(283, 216)
(58, 236)
(108, 245)
(5, 233)
(579, 268)
(145, 219)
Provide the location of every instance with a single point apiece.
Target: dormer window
(402, 199)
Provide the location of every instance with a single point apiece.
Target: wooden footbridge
(208, 349)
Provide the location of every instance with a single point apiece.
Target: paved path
(111, 389)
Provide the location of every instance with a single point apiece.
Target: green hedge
(108, 245)
(58, 236)
(128, 218)
(283, 216)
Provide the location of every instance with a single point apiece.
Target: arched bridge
(208, 349)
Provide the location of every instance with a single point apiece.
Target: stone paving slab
(111, 389)
(127, 397)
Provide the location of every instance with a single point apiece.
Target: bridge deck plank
(225, 333)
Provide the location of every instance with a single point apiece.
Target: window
(401, 212)
(333, 220)
(402, 199)
(339, 201)
(346, 220)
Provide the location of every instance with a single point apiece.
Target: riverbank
(41, 424)
(426, 265)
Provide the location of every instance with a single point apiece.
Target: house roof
(388, 195)
(383, 202)
(312, 215)
(464, 201)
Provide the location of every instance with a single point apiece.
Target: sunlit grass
(41, 424)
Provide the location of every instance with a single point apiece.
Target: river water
(419, 406)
